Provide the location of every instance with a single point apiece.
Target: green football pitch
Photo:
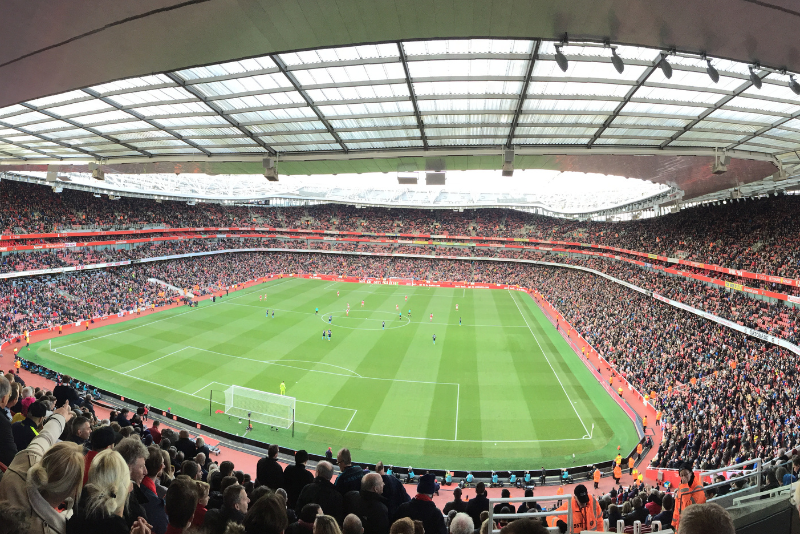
(500, 390)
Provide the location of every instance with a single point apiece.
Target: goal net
(259, 406)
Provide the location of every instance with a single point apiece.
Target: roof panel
(727, 126)
(292, 125)
(24, 118)
(349, 53)
(49, 125)
(179, 122)
(677, 95)
(467, 88)
(384, 144)
(655, 141)
(740, 116)
(587, 69)
(382, 122)
(638, 132)
(367, 109)
(246, 84)
(650, 121)
(107, 116)
(477, 118)
(466, 131)
(379, 134)
(685, 79)
(467, 46)
(111, 129)
(551, 140)
(175, 109)
(466, 68)
(275, 114)
(152, 96)
(132, 83)
(532, 104)
(87, 106)
(484, 141)
(765, 105)
(489, 104)
(539, 118)
(524, 131)
(593, 51)
(637, 108)
(227, 69)
(578, 88)
(355, 73)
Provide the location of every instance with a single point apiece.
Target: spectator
(706, 518)
(325, 524)
(352, 525)
(8, 449)
(456, 504)
(27, 429)
(296, 477)
(234, 508)
(528, 506)
(268, 471)
(369, 505)
(665, 516)
(154, 465)
(65, 392)
(322, 492)
(639, 512)
(462, 524)
(102, 501)
(225, 469)
(479, 504)
(393, 490)
(266, 516)
(504, 494)
(202, 448)
(101, 439)
(141, 503)
(305, 523)
(122, 418)
(185, 445)
(422, 507)
(14, 519)
(156, 432)
(191, 469)
(524, 525)
(44, 476)
(81, 429)
(202, 489)
(403, 525)
(180, 505)
(350, 475)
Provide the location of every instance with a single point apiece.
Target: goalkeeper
(283, 387)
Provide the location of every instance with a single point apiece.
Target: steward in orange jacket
(689, 492)
(586, 513)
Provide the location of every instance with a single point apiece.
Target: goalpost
(262, 407)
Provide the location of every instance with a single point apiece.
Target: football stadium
(283, 267)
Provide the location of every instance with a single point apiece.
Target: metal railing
(493, 516)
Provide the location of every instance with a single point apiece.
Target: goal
(259, 406)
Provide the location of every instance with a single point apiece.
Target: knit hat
(427, 484)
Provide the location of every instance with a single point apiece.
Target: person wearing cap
(689, 492)
(422, 508)
(586, 513)
(24, 431)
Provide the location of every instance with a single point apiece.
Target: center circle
(342, 316)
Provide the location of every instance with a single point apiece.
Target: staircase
(170, 286)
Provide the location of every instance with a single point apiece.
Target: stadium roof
(415, 104)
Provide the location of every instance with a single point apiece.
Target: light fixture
(616, 60)
(561, 59)
(712, 72)
(793, 85)
(665, 67)
(755, 78)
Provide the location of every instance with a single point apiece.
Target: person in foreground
(102, 501)
(706, 518)
(44, 476)
(422, 508)
(689, 493)
(586, 512)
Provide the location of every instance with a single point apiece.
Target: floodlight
(793, 85)
(755, 78)
(617, 61)
(665, 67)
(712, 72)
(561, 59)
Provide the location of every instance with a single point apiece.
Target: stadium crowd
(759, 235)
(70, 472)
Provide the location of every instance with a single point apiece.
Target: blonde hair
(59, 474)
(202, 489)
(325, 524)
(109, 480)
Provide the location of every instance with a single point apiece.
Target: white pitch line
(256, 292)
(210, 383)
(128, 329)
(458, 397)
(275, 362)
(153, 361)
(350, 421)
(172, 389)
(551, 365)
